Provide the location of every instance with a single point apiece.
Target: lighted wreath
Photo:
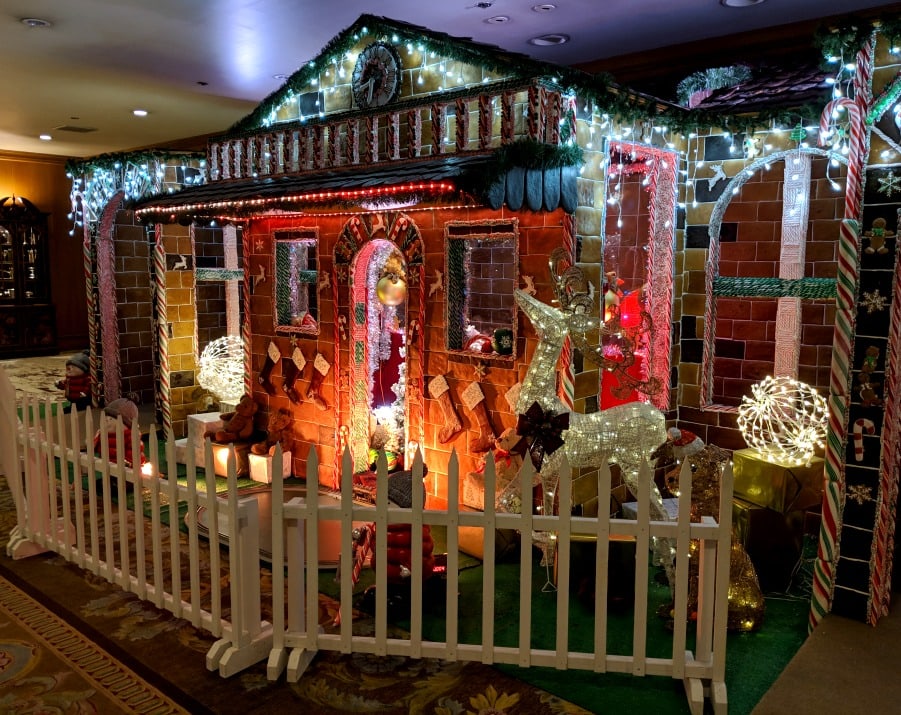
(784, 420)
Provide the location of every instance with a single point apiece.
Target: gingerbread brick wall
(750, 245)
(134, 309)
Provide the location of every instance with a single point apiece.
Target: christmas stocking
(474, 399)
(273, 355)
(291, 370)
(440, 390)
(321, 366)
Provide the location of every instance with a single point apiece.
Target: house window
(482, 271)
(296, 274)
(771, 276)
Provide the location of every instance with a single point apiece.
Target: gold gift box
(777, 485)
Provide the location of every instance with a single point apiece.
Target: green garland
(115, 161)
(713, 78)
(844, 38)
(523, 153)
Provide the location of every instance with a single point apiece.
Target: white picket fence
(57, 514)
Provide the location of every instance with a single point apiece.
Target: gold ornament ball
(391, 290)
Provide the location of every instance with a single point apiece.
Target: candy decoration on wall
(440, 390)
(292, 369)
(861, 425)
(437, 284)
(474, 399)
(321, 367)
(273, 355)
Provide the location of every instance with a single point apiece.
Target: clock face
(376, 76)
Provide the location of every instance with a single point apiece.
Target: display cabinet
(27, 320)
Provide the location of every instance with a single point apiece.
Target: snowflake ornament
(873, 301)
(889, 185)
(860, 494)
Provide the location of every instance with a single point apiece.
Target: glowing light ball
(784, 420)
(222, 368)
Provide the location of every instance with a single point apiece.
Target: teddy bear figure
(877, 235)
(238, 425)
(278, 432)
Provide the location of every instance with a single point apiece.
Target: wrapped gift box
(201, 426)
(261, 467)
(772, 540)
(777, 485)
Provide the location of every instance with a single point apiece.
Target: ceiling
(197, 66)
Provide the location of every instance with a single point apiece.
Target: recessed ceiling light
(35, 22)
(280, 77)
(544, 7)
(139, 112)
(45, 137)
(497, 20)
(740, 3)
(553, 38)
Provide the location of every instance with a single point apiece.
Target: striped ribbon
(484, 121)
(439, 128)
(507, 125)
(843, 341)
(159, 276)
(462, 134)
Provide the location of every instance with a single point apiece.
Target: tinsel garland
(886, 99)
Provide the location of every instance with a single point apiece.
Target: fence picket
(50, 450)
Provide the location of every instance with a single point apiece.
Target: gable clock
(376, 76)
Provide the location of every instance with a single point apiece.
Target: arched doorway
(383, 311)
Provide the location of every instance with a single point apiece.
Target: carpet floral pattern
(169, 653)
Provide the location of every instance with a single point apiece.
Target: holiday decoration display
(474, 399)
(222, 368)
(784, 420)
(440, 390)
(626, 434)
(867, 387)
(238, 424)
(278, 431)
(321, 368)
(292, 368)
(273, 356)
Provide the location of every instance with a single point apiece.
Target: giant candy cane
(840, 375)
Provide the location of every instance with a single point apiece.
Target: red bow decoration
(542, 430)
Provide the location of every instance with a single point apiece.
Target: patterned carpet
(37, 374)
(168, 654)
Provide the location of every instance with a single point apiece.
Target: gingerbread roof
(773, 88)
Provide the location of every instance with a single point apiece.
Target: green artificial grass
(753, 660)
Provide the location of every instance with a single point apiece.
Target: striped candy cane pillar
(566, 390)
(159, 277)
(88, 256)
(247, 243)
(843, 342)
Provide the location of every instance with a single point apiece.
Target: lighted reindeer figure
(626, 434)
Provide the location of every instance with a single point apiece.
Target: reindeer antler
(570, 285)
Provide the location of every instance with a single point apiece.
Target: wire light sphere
(784, 420)
(222, 368)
